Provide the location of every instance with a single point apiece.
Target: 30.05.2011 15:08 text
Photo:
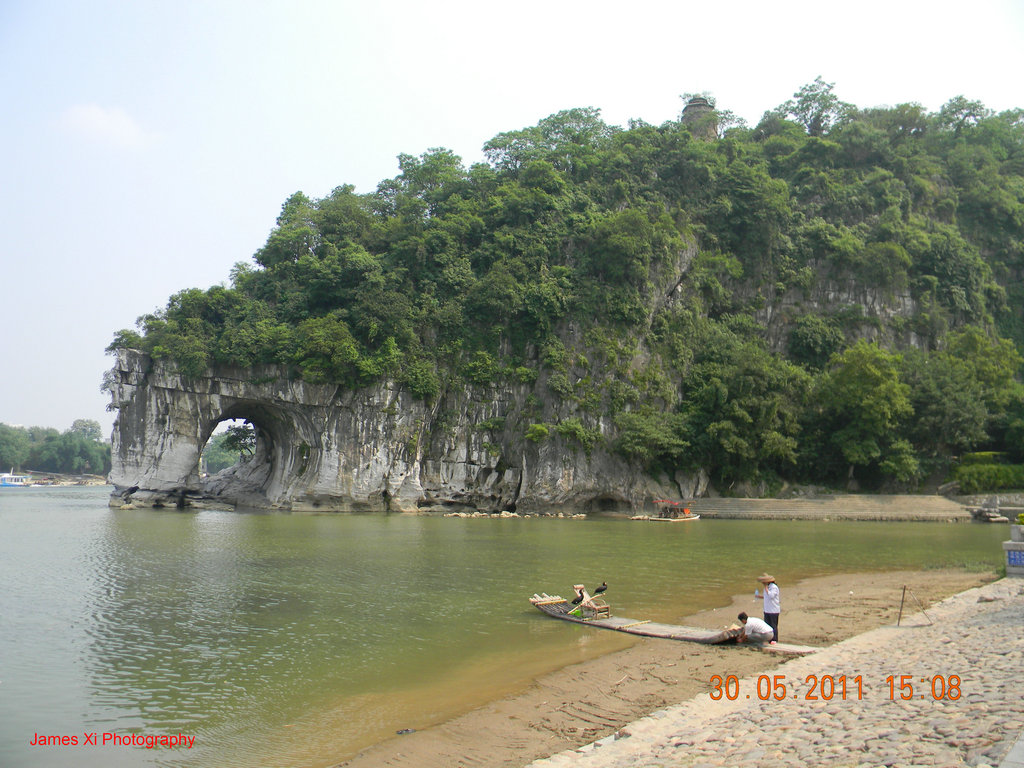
(835, 687)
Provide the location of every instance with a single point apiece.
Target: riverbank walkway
(840, 507)
(946, 693)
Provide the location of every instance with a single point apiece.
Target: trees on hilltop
(672, 283)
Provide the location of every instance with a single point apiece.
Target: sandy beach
(586, 702)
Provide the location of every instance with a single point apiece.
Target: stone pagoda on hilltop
(699, 117)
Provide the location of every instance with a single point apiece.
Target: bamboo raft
(559, 608)
(665, 519)
(668, 512)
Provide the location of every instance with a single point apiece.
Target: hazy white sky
(146, 147)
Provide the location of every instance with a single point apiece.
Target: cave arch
(607, 504)
(247, 478)
(282, 449)
(306, 437)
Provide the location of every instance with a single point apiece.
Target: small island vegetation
(831, 296)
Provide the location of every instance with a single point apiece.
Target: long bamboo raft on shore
(559, 608)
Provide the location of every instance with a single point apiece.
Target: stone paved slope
(842, 507)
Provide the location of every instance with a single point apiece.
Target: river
(296, 640)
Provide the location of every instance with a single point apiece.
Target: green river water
(296, 640)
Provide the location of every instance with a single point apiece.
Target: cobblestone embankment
(977, 636)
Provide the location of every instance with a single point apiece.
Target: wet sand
(585, 702)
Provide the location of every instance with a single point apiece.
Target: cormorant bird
(579, 598)
(602, 588)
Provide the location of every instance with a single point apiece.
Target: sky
(147, 147)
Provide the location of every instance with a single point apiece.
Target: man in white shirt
(754, 630)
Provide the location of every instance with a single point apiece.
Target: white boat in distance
(11, 480)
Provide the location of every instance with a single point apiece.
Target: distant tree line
(671, 284)
(81, 449)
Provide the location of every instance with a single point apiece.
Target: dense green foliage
(834, 293)
(990, 477)
(81, 449)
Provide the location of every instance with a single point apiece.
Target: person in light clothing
(754, 630)
(771, 604)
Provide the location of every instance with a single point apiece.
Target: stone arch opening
(247, 482)
(227, 446)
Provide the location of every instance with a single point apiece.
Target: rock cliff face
(880, 312)
(320, 447)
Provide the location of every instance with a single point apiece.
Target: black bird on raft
(602, 588)
(579, 598)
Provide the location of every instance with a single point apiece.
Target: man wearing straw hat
(771, 604)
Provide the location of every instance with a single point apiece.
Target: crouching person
(754, 630)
